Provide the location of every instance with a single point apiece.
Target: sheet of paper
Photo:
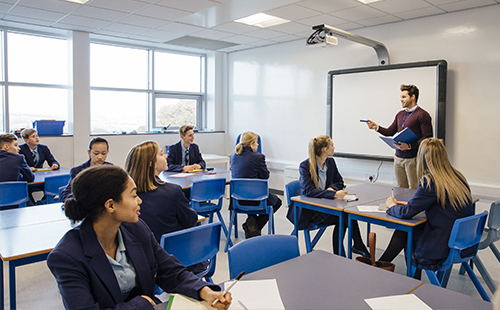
(247, 291)
(182, 302)
(396, 302)
(350, 197)
(368, 209)
(181, 175)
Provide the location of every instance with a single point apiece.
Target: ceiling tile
(181, 29)
(420, 13)
(241, 39)
(124, 28)
(358, 13)
(326, 6)
(293, 12)
(322, 19)
(286, 38)
(83, 21)
(36, 13)
(467, 4)
(440, 2)
(51, 5)
(262, 43)
(99, 13)
(188, 5)
(379, 20)
(127, 6)
(4, 8)
(212, 34)
(86, 28)
(9, 1)
(290, 28)
(161, 12)
(142, 21)
(350, 26)
(396, 6)
(234, 27)
(162, 36)
(27, 20)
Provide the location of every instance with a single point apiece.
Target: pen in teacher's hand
(393, 193)
(230, 286)
(242, 305)
(363, 120)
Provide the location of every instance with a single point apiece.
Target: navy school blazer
(13, 167)
(251, 165)
(86, 279)
(174, 159)
(66, 193)
(43, 152)
(307, 188)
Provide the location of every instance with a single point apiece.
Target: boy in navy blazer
(34, 152)
(185, 155)
(12, 165)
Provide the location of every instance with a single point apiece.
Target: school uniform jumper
(13, 167)
(174, 159)
(86, 279)
(44, 154)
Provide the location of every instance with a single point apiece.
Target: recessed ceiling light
(368, 1)
(262, 20)
(78, 1)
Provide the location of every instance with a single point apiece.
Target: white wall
(280, 91)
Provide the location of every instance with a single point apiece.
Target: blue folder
(406, 136)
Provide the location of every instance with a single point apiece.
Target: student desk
(27, 235)
(384, 219)
(365, 192)
(187, 181)
(41, 175)
(440, 298)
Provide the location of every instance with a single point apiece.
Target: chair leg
(231, 219)
(318, 236)
(446, 277)
(484, 273)
(224, 228)
(432, 277)
(474, 279)
(235, 225)
(307, 239)
(270, 224)
(495, 251)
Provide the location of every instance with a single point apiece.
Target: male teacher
(185, 155)
(419, 121)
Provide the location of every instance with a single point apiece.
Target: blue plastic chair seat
(52, 185)
(13, 193)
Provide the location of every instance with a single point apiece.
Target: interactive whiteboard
(373, 93)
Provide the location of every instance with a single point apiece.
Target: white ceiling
(160, 21)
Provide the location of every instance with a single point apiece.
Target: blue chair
(291, 189)
(195, 245)
(52, 185)
(202, 193)
(13, 193)
(260, 252)
(259, 149)
(490, 235)
(249, 189)
(465, 235)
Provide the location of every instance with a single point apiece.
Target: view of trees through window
(175, 112)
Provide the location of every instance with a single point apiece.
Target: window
(36, 83)
(141, 90)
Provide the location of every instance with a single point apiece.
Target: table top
(32, 215)
(321, 280)
(186, 181)
(366, 193)
(441, 298)
(40, 175)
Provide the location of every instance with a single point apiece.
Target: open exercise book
(244, 292)
(406, 136)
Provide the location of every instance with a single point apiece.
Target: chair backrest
(466, 233)
(249, 189)
(53, 182)
(193, 245)
(260, 252)
(208, 189)
(291, 190)
(494, 219)
(259, 148)
(13, 193)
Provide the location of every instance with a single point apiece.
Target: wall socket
(369, 177)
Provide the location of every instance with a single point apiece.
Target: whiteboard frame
(440, 116)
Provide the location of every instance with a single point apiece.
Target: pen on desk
(363, 120)
(230, 286)
(393, 193)
(244, 307)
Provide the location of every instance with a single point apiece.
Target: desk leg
(295, 220)
(341, 234)
(12, 285)
(409, 252)
(1, 288)
(349, 237)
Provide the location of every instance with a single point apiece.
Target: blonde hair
(140, 165)
(316, 146)
(433, 165)
(245, 140)
(26, 133)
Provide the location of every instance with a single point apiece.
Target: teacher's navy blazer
(86, 279)
(174, 159)
(43, 152)
(307, 188)
(251, 165)
(13, 167)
